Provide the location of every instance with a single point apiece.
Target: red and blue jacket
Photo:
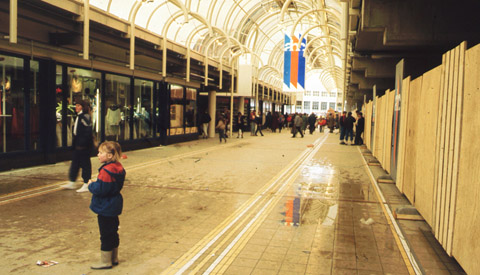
(106, 198)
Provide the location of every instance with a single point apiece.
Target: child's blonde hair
(113, 148)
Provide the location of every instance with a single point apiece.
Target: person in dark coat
(348, 124)
(331, 122)
(258, 121)
(82, 146)
(268, 120)
(205, 119)
(341, 122)
(359, 129)
(311, 122)
(275, 122)
(240, 124)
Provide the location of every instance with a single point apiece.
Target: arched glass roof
(257, 26)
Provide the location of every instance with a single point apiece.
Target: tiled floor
(258, 205)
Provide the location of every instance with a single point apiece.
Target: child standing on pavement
(107, 202)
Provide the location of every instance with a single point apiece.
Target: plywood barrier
(377, 132)
(449, 148)
(402, 133)
(438, 162)
(388, 130)
(425, 141)
(368, 125)
(410, 140)
(466, 233)
(379, 128)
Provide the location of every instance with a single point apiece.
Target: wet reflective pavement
(258, 205)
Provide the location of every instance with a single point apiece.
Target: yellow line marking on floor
(197, 250)
(237, 247)
(30, 196)
(228, 222)
(408, 258)
(37, 191)
(227, 257)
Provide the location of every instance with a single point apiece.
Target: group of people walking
(298, 123)
(347, 122)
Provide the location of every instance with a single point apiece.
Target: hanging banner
(294, 64)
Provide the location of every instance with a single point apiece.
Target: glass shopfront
(118, 107)
(143, 115)
(37, 108)
(176, 110)
(19, 104)
(81, 84)
(191, 111)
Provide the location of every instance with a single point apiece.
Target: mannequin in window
(112, 120)
(76, 84)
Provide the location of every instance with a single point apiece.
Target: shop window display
(34, 105)
(191, 111)
(176, 110)
(12, 105)
(85, 85)
(117, 107)
(143, 115)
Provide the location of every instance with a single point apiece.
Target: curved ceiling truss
(220, 29)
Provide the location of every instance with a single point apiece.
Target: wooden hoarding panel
(426, 143)
(410, 141)
(388, 130)
(466, 248)
(402, 133)
(379, 118)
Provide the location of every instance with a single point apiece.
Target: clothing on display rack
(112, 120)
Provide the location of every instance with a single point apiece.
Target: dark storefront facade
(37, 99)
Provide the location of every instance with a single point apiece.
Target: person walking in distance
(221, 129)
(251, 119)
(205, 120)
(240, 122)
(311, 122)
(331, 122)
(297, 125)
(107, 202)
(82, 146)
(258, 121)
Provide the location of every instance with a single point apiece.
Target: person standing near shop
(348, 124)
(82, 146)
(359, 129)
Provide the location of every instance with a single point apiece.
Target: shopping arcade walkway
(267, 218)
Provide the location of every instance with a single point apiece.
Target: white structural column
(345, 24)
(133, 15)
(13, 21)
(212, 103)
(86, 29)
(241, 104)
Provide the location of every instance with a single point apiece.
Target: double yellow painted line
(230, 237)
(50, 188)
